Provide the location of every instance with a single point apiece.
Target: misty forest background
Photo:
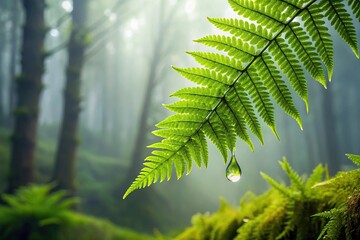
(128, 48)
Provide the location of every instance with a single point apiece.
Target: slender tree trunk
(158, 53)
(13, 54)
(29, 86)
(2, 80)
(3, 45)
(138, 155)
(64, 171)
(140, 142)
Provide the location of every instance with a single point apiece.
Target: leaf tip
(127, 193)
(307, 106)
(273, 129)
(299, 122)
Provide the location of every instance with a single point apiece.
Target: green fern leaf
(199, 94)
(273, 81)
(299, 41)
(280, 188)
(221, 63)
(335, 224)
(247, 31)
(235, 47)
(261, 98)
(269, 14)
(293, 176)
(181, 121)
(223, 118)
(239, 104)
(341, 20)
(194, 151)
(355, 6)
(213, 130)
(190, 107)
(315, 25)
(200, 138)
(205, 77)
(234, 124)
(271, 43)
(289, 65)
(316, 176)
(354, 158)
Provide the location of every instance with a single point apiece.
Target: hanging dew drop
(233, 170)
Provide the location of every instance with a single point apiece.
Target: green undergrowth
(95, 174)
(36, 213)
(86, 227)
(315, 207)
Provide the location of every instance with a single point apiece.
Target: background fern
(237, 86)
(288, 212)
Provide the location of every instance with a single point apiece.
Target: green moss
(221, 225)
(83, 227)
(306, 209)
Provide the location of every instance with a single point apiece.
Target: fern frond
(316, 176)
(354, 158)
(280, 188)
(293, 176)
(337, 220)
(264, 56)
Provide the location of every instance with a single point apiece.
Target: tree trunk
(64, 171)
(331, 143)
(29, 86)
(2, 81)
(13, 55)
(138, 154)
(3, 44)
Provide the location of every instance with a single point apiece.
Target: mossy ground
(312, 208)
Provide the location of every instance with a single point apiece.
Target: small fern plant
(34, 212)
(264, 55)
(344, 219)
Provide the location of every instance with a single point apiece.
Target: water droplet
(233, 170)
